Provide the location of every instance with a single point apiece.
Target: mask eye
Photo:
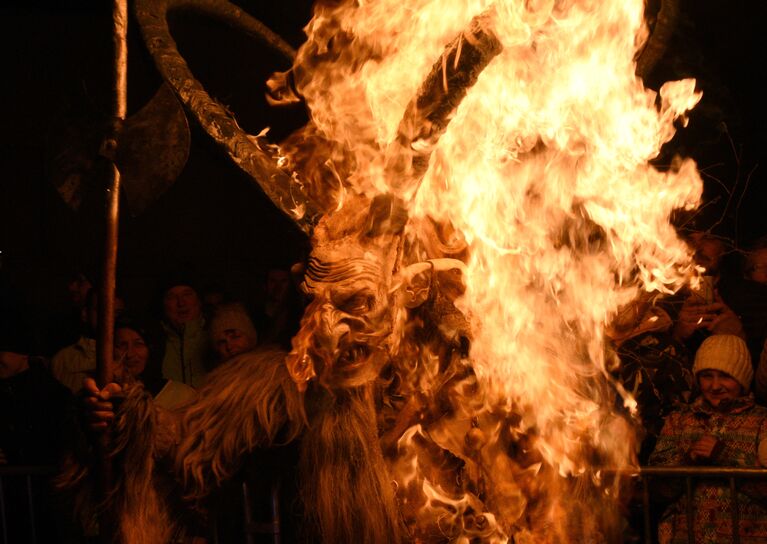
(357, 304)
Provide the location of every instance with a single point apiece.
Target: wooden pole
(105, 369)
(105, 341)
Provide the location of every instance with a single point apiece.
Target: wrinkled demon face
(344, 331)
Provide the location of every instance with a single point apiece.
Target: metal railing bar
(31, 505)
(646, 511)
(736, 472)
(689, 474)
(732, 474)
(703, 472)
(275, 507)
(215, 532)
(2, 512)
(690, 511)
(734, 507)
(247, 513)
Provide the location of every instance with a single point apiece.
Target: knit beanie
(233, 316)
(727, 353)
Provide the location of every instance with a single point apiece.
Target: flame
(544, 169)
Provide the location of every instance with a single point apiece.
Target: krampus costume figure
(345, 392)
(378, 393)
(347, 388)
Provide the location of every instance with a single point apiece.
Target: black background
(56, 60)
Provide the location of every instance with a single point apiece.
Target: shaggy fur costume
(141, 436)
(250, 402)
(346, 489)
(170, 462)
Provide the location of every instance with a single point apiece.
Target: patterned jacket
(739, 429)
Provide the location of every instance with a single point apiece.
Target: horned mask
(357, 285)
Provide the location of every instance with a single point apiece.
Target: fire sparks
(543, 171)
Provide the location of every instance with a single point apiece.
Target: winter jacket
(740, 428)
(186, 353)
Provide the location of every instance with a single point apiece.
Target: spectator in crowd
(756, 272)
(231, 331)
(36, 411)
(722, 427)
(281, 313)
(138, 353)
(705, 310)
(38, 425)
(72, 364)
(65, 327)
(750, 301)
(760, 378)
(212, 295)
(139, 345)
(186, 343)
(756, 261)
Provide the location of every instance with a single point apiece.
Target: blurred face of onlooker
(131, 350)
(231, 342)
(181, 305)
(277, 284)
(90, 313)
(709, 250)
(757, 265)
(12, 363)
(78, 288)
(717, 386)
(213, 299)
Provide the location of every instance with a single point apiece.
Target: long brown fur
(135, 493)
(249, 402)
(347, 493)
(138, 497)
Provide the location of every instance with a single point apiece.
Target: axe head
(152, 150)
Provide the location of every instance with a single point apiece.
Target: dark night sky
(57, 66)
(56, 59)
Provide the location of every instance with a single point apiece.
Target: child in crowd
(722, 427)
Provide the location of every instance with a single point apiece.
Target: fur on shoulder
(247, 403)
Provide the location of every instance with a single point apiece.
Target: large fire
(543, 174)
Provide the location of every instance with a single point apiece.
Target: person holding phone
(704, 311)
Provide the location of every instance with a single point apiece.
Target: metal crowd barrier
(271, 527)
(28, 473)
(689, 474)
(255, 530)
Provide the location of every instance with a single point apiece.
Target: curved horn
(252, 154)
(427, 116)
(656, 44)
